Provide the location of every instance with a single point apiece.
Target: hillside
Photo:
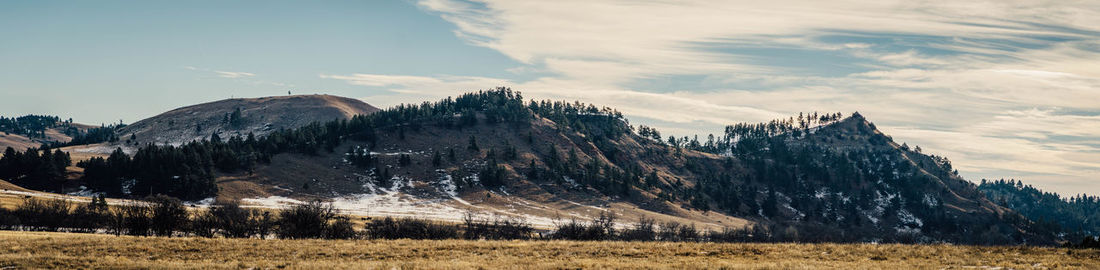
(34, 130)
(1075, 216)
(17, 141)
(840, 181)
(240, 116)
(820, 178)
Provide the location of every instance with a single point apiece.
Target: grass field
(70, 251)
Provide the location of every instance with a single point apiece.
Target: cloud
(237, 76)
(233, 74)
(1001, 87)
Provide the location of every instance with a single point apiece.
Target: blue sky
(1002, 88)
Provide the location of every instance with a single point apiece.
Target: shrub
(90, 217)
(167, 215)
(234, 221)
(340, 229)
(669, 231)
(410, 228)
(305, 220)
(498, 228)
(204, 224)
(46, 215)
(8, 219)
(729, 235)
(644, 230)
(600, 228)
(135, 219)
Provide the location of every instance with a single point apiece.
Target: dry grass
(67, 251)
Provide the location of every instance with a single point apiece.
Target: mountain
(818, 178)
(240, 116)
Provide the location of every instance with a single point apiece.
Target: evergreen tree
(437, 159)
(472, 145)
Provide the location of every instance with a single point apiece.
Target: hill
(240, 116)
(831, 179)
(34, 130)
(820, 178)
(1074, 216)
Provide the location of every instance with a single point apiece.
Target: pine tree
(473, 144)
(771, 204)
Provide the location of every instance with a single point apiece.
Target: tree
(404, 160)
(771, 204)
(472, 146)
(236, 118)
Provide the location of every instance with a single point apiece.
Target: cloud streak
(233, 74)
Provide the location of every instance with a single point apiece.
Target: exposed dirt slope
(16, 141)
(21, 142)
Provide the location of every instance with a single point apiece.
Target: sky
(1004, 89)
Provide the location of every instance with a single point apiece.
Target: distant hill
(1076, 216)
(240, 116)
(34, 130)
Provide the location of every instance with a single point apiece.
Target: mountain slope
(238, 117)
(886, 189)
(1075, 216)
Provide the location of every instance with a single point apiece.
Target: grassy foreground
(69, 251)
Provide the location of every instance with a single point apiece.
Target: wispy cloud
(233, 74)
(238, 76)
(1003, 88)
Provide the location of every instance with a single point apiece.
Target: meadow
(74, 250)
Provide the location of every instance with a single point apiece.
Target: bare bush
(410, 228)
(497, 228)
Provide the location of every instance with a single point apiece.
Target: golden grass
(68, 251)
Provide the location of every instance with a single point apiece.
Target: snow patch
(84, 192)
(929, 200)
(201, 203)
(571, 183)
(909, 219)
(272, 202)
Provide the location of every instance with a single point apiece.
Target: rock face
(238, 117)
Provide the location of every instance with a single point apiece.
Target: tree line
(31, 126)
(36, 168)
(168, 217)
(1074, 216)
